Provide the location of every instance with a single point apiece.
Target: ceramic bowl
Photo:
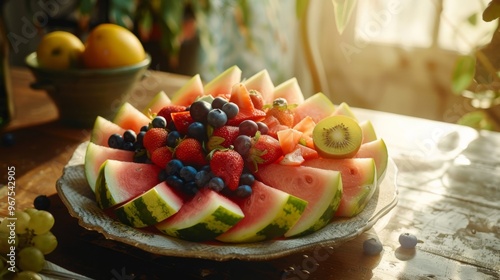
(83, 94)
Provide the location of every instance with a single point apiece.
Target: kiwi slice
(337, 137)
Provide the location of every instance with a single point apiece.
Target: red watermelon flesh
(102, 129)
(222, 84)
(189, 92)
(120, 181)
(128, 117)
(378, 151)
(359, 181)
(96, 155)
(322, 189)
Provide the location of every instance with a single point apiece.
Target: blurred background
(398, 56)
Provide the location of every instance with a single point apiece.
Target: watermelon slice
(96, 155)
(344, 110)
(223, 84)
(359, 181)
(150, 208)
(188, 93)
(241, 97)
(207, 215)
(321, 188)
(269, 213)
(316, 106)
(102, 129)
(368, 131)
(120, 181)
(262, 83)
(159, 101)
(378, 151)
(290, 90)
(128, 117)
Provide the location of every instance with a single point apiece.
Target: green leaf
(463, 73)
(478, 120)
(343, 11)
(472, 19)
(301, 8)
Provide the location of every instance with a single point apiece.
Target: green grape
(31, 258)
(22, 221)
(27, 275)
(46, 242)
(4, 226)
(30, 210)
(41, 221)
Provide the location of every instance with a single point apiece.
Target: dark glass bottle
(6, 102)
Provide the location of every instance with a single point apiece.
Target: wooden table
(447, 197)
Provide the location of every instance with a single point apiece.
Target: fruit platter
(231, 169)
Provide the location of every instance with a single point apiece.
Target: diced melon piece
(317, 106)
(102, 129)
(150, 208)
(262, 83)
(223, 84)
(159, 101)
(96, 155)
(269, 213)
(359, 182)
(188, 93)
(204, 217)
(120, 181)
(128, 117)
(290, 90)
(321, 188)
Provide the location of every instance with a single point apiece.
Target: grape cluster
(25, 240)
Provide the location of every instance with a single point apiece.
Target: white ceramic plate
(79, 199)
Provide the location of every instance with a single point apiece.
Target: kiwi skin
(346, 126)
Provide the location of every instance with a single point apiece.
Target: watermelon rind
(96, 155)
(261, 82)
(290, 90)
(149, 208)
(368, 131)
(120, 181)
(359, 182)
(204, 217)
(317, 106)
(343, 109)
(188, 93)
(129, 117)
(269, 214)
(377, 150)
(223, 83)
(322, 189)
(159, 101)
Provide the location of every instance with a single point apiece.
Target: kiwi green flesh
(337, 137)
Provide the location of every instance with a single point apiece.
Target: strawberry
(161, 156)
(228, 165)
(154, 138)
(265, 150)
(169, 109)
(282, 111)
(190, 152)
(182, 120)
(257, 100)
(222, 137)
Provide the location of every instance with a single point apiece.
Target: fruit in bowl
(86, 86)
(234, 161)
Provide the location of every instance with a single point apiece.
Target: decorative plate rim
(77, 196)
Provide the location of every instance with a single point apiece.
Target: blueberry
(216, 184)
(174, 167)
(199, 110)
(128, 146)
(144, 128)
(408, 240)
(115, 141)
(247, 179)
(162, 176)
(139, 138)
(190, 188)
(372, 247)
(129, 136)
(202, 177)
(188, 173)
(231, 109)
(218, 102)
(8, 139)
(159, 122)
(175, 182)
(42, 202)
(243, 191)
(172, 138)
(197, 131)
(216, 118)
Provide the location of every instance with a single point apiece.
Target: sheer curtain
(395, 55)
